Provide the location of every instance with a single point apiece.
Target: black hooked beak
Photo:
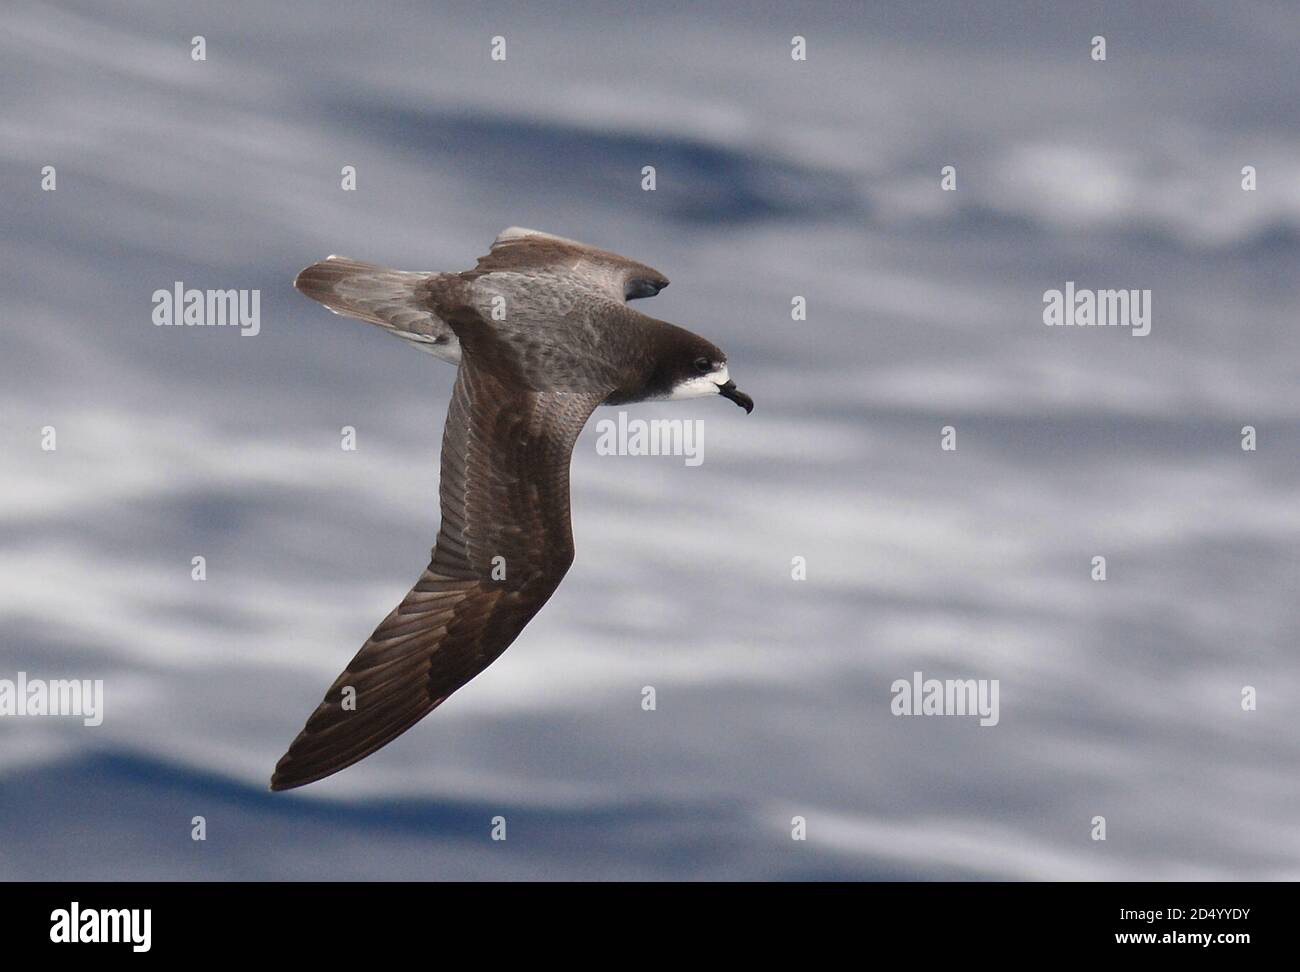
(729, 390)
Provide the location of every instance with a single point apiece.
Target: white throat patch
(701, 386)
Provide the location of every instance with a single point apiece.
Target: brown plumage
(527, 384)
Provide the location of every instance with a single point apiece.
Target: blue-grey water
(776, 178)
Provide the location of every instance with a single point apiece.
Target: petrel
(542, 334)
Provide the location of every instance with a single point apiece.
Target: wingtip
(281, 777)
(281, 781)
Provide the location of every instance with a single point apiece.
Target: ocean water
(776, 178)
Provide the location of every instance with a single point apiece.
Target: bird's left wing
(579, 267)
(503, 547)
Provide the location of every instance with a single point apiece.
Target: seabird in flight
(542, 334)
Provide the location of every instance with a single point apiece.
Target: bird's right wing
(503, 547)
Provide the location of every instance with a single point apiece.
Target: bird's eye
(703, 365)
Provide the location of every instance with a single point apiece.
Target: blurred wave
(775, 179)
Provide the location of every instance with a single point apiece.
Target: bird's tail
(396, 300)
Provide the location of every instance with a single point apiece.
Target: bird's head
(692, 367)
